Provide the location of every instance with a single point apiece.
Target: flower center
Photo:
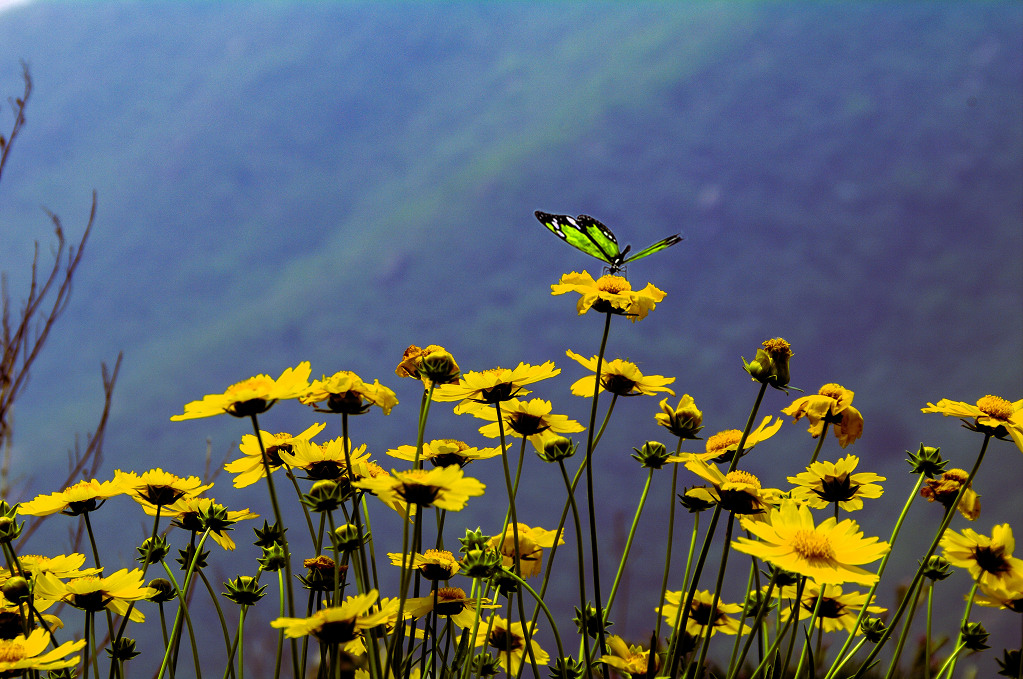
(744, 477)
(613, 284)
(812, 546)
(415, 492)
(526, 425)
(618, 384)
(720, 442)
(502, 640)
(991, 560)
(777, 347)
(832, 390)
(996, 407)
(11, 651)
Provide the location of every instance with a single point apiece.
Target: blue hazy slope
(333, 182)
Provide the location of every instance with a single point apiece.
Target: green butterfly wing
(656, 247)
(583, 233)
(589, 235)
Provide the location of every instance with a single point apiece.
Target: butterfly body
(592, 237)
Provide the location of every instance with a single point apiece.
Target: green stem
(668, 542)
(923, 562)
(963, 622)
(628, 541)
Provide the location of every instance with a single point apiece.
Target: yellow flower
(158, 487)
(737, 491)
(988, 559)
(722, 446)
(345, 392)
(631, 660)
(825, 482)
(830, 553)
(701, 614)
(252, 396)
(186, 513)
(771, 365)
(684, 420)
(992, 414)
(94, 593)
(837, 612)
(619, 377)
(434, 364)
(609, 294)
(832, 404)
(62, 566)
(1004, 593)
(530, 420)
(250, 468)
(945, 490)
(337, 624)
(433, 564)
(509, 642)
(532, 542)
(325, 461)
(26, 653)
(78, 498)
(443, 487)
(450, 602)
(445, 452)
(495, 385)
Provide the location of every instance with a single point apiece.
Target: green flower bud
(652, 455)
(480, 563)
(975, 636)
(122, 649)
(164, 590)
(557, 448)
(214, 518)
(244, 590)
(324, 496)
(590, 620)
(936, 568)
(873, 629)
(348, 539)
(16, 590)
(269, 535)
(485, 665)
(474, 539)
(153, 550)
(926, 461)
(274, 558)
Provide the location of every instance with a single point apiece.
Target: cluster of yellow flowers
(810, 559)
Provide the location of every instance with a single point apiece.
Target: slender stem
(963, 622)
(923, 562)
(668, 541)
(632, 535)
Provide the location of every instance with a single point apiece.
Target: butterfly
(587, 234)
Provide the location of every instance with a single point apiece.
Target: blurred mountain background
(332, 182)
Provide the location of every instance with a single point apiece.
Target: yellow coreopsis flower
(508, 641)
(62, 566)
(158, 487)
(1001, 418)
(252, 396)
(445, 452)
(609, 294)
(627, 659)
(532, 542)
(1004, 593)
(432, 365)
(443, 487)
(496, 384)
(345, 392)
(832, 404)
(837, 612)
(78, 498)
(831, 553)
(722, 446)
(337, 624)
(737, 491)
(526, 419)
(187, 512)
(116, 592)
(327, 460)
(622, 378)
(450, 602)
(945, 489)
(701, 614)
(250, 468)
(26, 653)
(433, 564)
(824, 483)
(988, 559)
